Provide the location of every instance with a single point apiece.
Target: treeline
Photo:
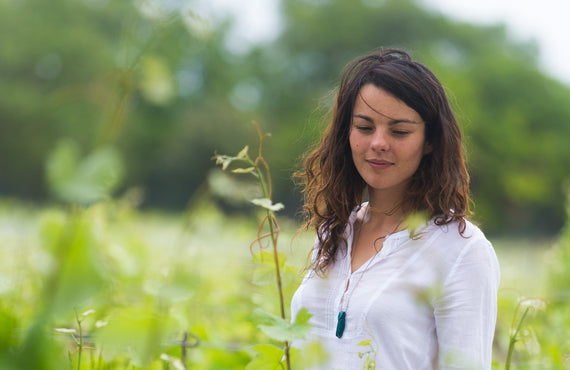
(167, 87)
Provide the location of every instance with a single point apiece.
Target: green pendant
(340, 324)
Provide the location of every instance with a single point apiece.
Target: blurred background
(167, 83)
(121, 239)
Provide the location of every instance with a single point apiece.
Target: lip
(379, 164)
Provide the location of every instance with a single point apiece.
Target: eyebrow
(393, 121)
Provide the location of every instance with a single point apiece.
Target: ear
(427, 148)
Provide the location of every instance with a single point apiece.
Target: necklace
(388, 212)
(341, 319)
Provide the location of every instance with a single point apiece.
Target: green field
(148, 280)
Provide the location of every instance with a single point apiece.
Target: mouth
(379, 164)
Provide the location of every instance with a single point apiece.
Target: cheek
(353, 143)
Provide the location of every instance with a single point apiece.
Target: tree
(502, 99)
(158, 81)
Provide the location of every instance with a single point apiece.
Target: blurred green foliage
(84, 181)
(161, 83)
(163, 291)
(140, 284)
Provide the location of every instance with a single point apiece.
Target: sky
(547, 22)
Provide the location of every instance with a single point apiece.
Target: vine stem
(513, 339)
(80, 341)
(260, 169)
(272, 232)
(265, 182)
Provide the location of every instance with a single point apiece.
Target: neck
(385, 209)
(387, 202)
(384, 219)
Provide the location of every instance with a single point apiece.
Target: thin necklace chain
(340, 331)
(388, 212)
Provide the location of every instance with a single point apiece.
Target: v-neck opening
(392, 242)
(387, 249)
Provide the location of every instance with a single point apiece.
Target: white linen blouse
(427, 302)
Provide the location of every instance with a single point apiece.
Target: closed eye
(363, 128)
(400, 133)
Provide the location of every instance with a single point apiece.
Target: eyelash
(400, 132)
(367, 129)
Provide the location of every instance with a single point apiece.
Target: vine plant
(276, 327)
(519, 333)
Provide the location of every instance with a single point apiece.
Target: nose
(380, 141)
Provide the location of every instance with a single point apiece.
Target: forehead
(374, 101)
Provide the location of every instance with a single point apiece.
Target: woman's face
(387, 139)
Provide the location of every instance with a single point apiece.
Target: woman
(384, 290)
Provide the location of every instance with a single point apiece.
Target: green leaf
(289, 275)
(243, 152)
(172, 292)
(62, 163)
(88, 312)
(415, 222)
(156, 82)
(80, 270)
(302, 317)
(245, 170)
(264, 272)
(312, 355)
(224, 160)
(180, 286)
(173, 361)
(364, 343)
(136, 331)
(85, 181)
(52, 229)
(263, 275)
(65, 331)
(267, 204)
(269, 357)
(280, 329)
(262, 317)
(265, 257)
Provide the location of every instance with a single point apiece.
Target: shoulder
(453, 248)
(453, 236)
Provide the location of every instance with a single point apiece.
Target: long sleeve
(466, 309)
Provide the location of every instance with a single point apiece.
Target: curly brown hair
(332, 185)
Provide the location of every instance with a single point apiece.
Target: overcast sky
(545, 21)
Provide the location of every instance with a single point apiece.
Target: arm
(466, 311)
